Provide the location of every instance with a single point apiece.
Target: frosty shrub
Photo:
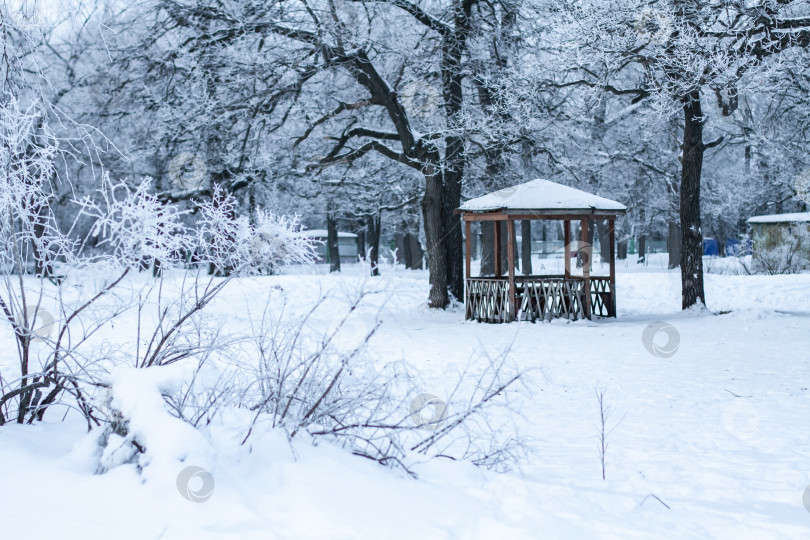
(790, 254)
(51, 311)
(327, 386)
(287, 373)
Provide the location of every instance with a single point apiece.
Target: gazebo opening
(505, 296)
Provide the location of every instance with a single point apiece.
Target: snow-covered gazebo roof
(543, 197)
(797, 217)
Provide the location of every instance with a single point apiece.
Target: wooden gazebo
(500, 298)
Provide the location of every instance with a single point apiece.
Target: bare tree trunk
(413, 252)
(454, 45)
(720, 237)
(361, 243)
(432, 212)
(691, 234)
(332, 243)
(505, 246)
(487, 248)
(453, 239)
(403, 250)
(417, 253)
(374, 243)
(603, 229)
(526, 246)
(674, 245)
(642, 247)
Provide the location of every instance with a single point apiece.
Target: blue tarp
(733, 246)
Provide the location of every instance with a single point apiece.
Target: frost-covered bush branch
(322, 384)
(786, 252)
(53, 318)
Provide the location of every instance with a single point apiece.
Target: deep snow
(717, 431)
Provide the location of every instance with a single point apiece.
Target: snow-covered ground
(709, 442)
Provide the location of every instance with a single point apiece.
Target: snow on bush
(294, 379)
(234, 243)
(132, 225)
(53, 322)
(324, 385)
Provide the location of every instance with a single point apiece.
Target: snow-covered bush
(237, 244)
(323, 385)
(52, 320)
(789, 253)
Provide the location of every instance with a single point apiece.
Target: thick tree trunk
(332, 243)
(720, 238)
(451, 199)
(526, 246)
(361, 244)
(374, 243)
(413, 252)
(454, 45)
(603, 229)
(434, 229)
(691, 234)
(642, 247)
(403, 251)
(419, 253)
(674, 245)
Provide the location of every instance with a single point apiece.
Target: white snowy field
(710, 442)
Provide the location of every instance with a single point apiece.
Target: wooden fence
(537, 298)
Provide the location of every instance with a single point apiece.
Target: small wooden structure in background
(779, 240)
(507, 298)
(347, 245)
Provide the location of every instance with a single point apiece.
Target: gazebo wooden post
(567, 248)
(467, 247)
(497, 250)
(612, 235)
(510, 255)
(586, 267)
